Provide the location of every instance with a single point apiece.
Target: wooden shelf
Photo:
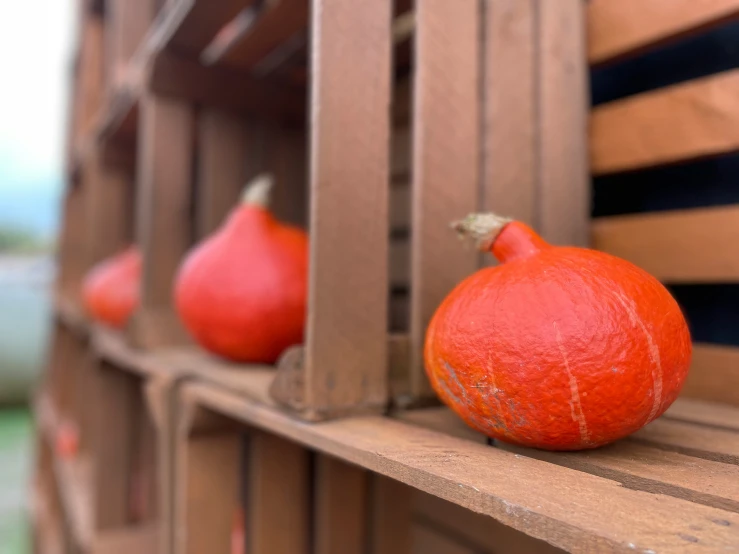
(662, 489)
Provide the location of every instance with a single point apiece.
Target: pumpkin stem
(258, 191)
(482, 228)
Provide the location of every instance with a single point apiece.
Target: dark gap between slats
(690, 58)
(712, 311)
(696, 184)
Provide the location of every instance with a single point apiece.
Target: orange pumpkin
(242, 292)
(67, 439)
(111, 288)
(557, 348)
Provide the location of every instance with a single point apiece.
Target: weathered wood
(714, 374)
(627, 27)
(681, 122)
(705, 413)
(446, 164)
(222, 152)
(346, 344)
(564, 194)
(278, 496)
(480, 532)
(340, 507)
(163, 225)
(510, 118)
(559, 505)
(129, 21)
(430, 541)
(672, 245)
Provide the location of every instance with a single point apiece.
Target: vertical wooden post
(163, 224)
(341, 507)
(510, 123)
(74, 246)
(563, 111)
(114, 436)
(222, 166)
(129, 21)
(446, 145)
(346, 344)
(278, 496)
(391, 516)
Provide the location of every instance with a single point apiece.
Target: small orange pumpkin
(111, 289)
(558, 348)
(242, 292)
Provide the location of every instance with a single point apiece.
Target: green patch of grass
(15, 463)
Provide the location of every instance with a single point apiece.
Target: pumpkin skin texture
(557, 348)
(111, 290)
(242, 292)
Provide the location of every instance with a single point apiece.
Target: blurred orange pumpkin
(111, 288)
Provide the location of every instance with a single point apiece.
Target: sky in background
(35, 54)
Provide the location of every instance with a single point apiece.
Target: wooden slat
(446, 152)
(222, 152)
(287, 158)
(279, 21)
(346, 343)
(680, 246)
(714, 374)
(129, 21)
(682, 122)
(278, 488)
(616, 29)
(211, 478)
(430, 541)
(138, 540)
(567, 508)
(564, 194)
(163, 225)
(476, 530)
(391, 516)
(705, 413)
(89, 94)
(691, 439)
(341, 507)
(510, 175)
(195, 23)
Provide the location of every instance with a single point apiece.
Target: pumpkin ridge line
(575, 404)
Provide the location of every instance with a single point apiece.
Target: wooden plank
(564, 194)
(430, 541)
(705, 413)
(287, 158)
(714, 374)
(391, 516)
(210, 497)
(276, 23)
(445, 160)
(617, 29)
(222, 152)
(89, 95)
(346, 342)
(140, 540)
(567, 508)
(693, 440)
(110, 208)
(278, 496)
(482, 533)
(509, 170)
(672, 245)
(341, 507)
(163, 225)
(681, 122)
(113, 445)
(129, 21)
(195, 23)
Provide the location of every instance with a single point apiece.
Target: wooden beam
(129, 22)
(681, 122)
(510, 175)
(163, 225)
(341, 507)
(346, 342)
(688, 246)
(627, 27)
(564, 194)
(446, 159)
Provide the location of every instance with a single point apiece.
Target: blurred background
(35, 53)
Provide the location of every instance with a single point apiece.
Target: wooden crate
(382, 122)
